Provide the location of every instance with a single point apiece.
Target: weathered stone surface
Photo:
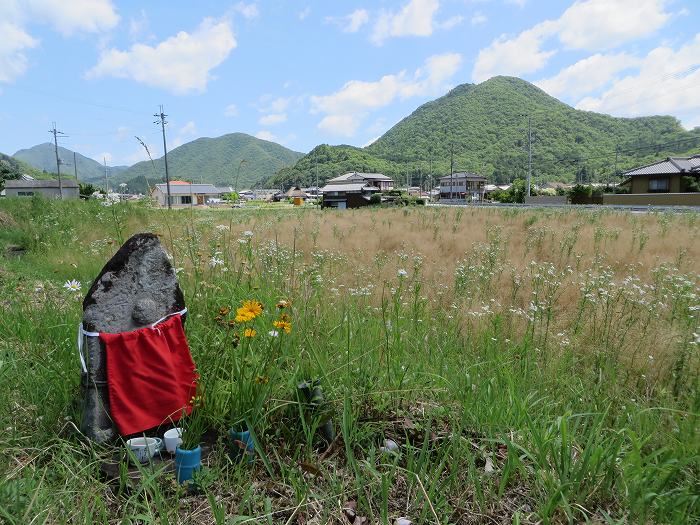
(137, 287)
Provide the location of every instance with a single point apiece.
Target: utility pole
(58, 161)
(104, 161)
(161, 120)
(75, 167)
(529, 153)
(617, 155)
(238, 172)
(452, 168)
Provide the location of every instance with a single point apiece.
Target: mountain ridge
(485, 125)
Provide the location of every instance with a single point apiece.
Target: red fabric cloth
(151, 377)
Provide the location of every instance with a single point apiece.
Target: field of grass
(534, 366)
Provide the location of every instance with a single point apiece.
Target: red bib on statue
(151, 377)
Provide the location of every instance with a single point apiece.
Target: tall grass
(533, 366)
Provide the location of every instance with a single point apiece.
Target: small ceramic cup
(144, 448)
(172, 439)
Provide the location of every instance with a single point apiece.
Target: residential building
(353, 190)
(463, 186)
(185, 193)
(377, 180)
(52, 189)
(673, 175)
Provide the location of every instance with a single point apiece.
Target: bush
(376, 198)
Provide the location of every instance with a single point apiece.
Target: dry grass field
(533, 366)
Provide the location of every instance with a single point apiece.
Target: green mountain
(11, 169)
(484, 127)
(215, 160)
(43, 158)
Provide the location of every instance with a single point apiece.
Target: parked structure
(673, 175)
(185, 193)
(353, 190)
(463, 186)
(48, 188)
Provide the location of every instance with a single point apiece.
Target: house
(353, 190)
(673, 175)
(185, 193)
(377, 180)
(463, 186)
(52, 189)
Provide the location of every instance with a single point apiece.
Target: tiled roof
(463, 175)
(67, 183)
(669, 166)
(366, 176)
(187, 189)
(358, 187)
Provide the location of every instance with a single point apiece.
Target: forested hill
(43, 158)
(12, 168)
(215, 160)
(486, 126)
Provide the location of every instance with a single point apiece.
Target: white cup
(144, 448)
(172, 438)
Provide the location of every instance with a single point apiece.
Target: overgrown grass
(533, 366)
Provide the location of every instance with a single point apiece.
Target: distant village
(674, 181)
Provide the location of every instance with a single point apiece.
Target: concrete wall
(546, 199)
(659, 199)
(49, 193)
(640, 184)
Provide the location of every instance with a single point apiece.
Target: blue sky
(308, 72)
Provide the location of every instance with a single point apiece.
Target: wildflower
(243, 316)
(247, 233)
(215, 261)
(72, 285)
(224, 310)
(402, 273)
(249, 332)
(250, 308)
(282, 304)
(286, 326)
(273, 333)
(222, 227)
(262, 380)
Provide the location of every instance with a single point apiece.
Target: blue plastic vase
(241, 445)
(186, 462)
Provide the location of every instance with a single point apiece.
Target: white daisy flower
(72, 285)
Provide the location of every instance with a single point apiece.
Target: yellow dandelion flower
(286, 326)
(249, 332)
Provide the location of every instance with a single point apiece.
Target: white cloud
(451, 22)
(13, 44)
(89, 16)
(263, 134)
(304, 13)
(180, 64)
(414, 19)
(272, 119)
(356, 19)
(587, 75)
(248, 11)
(231, 110)
(666, 83)
(602, 24)
(346, 108)
(189, 129)
(138, 26)
(586, 24)
(515, 56)
(478, 19)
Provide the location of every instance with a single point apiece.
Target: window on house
(186, 199)
(658, 185)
